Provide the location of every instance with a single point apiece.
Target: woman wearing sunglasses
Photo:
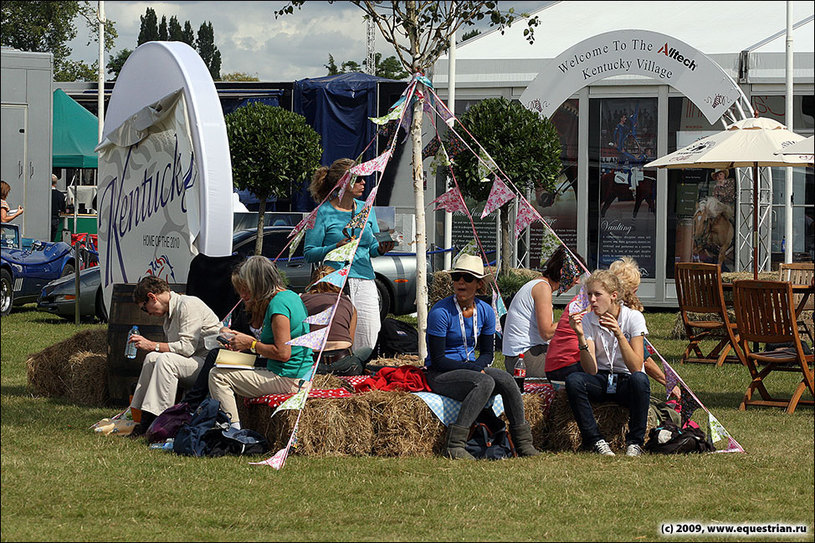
(457, 326)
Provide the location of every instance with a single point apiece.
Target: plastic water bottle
(520, 372)
(130, 348)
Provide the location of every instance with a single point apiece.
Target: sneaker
(633, 450)
(601, 447)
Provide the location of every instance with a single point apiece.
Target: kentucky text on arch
(129, 209)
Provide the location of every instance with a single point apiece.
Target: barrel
(123, 372)
(684, 240)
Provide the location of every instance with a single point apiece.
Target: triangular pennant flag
(470, 249)
(440, 160)
(526, 216)
(337, 277)
(450, 201)
(580, 302)
(486, 165)
(499, 308)
(345, 183)
(312, 340)
(321, 318)
(499, 195)
(295, 242)
(689, 402)
(295, 402)
(569, 274)
(715, 428)
(359, 220)
(732, 446)
(276, 461)
(649, 348)
(344, 253)
(671, 378)
(431, 148)
(549, 244)
(369, 201)
(395, 113)
(374, 165)
(306, 223)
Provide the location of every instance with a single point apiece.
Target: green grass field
(62, 482)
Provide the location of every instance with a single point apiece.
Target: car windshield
(10, 237)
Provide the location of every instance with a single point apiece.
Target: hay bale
(399, 360)
(328, 427)
(330, 381)
(47, 370)
(86, 378)
(678, 331)
(562, 433)
(403, 425)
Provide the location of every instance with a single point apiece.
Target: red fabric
(409, 378)
(273, 400)
(563, 348)
(353, 380)
(545, 391)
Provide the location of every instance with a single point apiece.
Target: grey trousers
(534, 358)
(473, 389)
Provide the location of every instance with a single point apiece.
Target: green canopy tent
(75, 134)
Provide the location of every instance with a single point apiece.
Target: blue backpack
(489, 437)
(208, 434)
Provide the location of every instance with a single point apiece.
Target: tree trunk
(261, 211)
(506, 240)
(421, 242)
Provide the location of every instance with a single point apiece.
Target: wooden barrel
(123, 372)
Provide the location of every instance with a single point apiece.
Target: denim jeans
(560, 374)
(633, 392)
(473, 389)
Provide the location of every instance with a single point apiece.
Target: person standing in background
(5, 211)
(57, 206)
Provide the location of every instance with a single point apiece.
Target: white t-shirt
(521, 326)
(632, 324)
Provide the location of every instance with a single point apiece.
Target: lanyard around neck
(613, 355)
(463, 332)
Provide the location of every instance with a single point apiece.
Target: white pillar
(451, 104)
(789, 113)
(100, 99)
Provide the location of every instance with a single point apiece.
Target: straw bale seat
(70, 368)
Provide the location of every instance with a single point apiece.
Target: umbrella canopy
(749, 143)
(804, 147)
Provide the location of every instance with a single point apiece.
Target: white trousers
(224, 383)
(159, 378)
(365, 298)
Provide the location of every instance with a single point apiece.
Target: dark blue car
(27, 265)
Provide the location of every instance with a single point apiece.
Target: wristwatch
(583, 347)
(157, 347)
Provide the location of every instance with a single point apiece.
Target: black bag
(489, 437)
(668, 438)
(397, 337)
(190, 437)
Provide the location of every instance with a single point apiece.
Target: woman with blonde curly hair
(331, 231)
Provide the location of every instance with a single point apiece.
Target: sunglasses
(455, 276)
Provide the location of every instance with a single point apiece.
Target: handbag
(168, 422)
(489, 437)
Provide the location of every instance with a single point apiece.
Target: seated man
(187, 321)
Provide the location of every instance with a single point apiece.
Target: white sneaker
(634, 450)
(601, 447)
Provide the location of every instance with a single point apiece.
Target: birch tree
(420, 32)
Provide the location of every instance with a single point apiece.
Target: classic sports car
(27, 265)
(395, 277)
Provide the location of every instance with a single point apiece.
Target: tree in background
(208, 51)
(187, 35)
(470, 34)
(273, 151)
(332, 66)
(47, 27)
(239, 76)
(523, 144)
(174, 32)
(389, 68)
(420, 32)
(148, 31)
(117, 61)
(163, 35)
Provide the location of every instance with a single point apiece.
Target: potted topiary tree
(273, 151)
(523, 144)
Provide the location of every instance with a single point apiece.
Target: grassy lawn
(62, 482)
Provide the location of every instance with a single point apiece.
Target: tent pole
(755, 220)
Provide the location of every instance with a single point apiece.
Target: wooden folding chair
(699, 290)
(801, 273)
(765, 312)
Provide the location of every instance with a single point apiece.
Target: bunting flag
(345, 183)
(295, 402)
(715, 428)
(450, 201)
(569, 274)
(431, 148)
(336, 278)
(374, 165)
(275, 461)
(295, 242)
(323, 317)
(344, 253)
(732, 446)
(312, 340)
(306, 223)
(486, 165)
(499, 308)
(671, 378)
(440, 160)
(549, 244)
(393, 114)
(457, 146)
(470, 249)
(369, 201)
(526, 216)
(689, 403)
(580, 303)
(359, 220)
(499, 195)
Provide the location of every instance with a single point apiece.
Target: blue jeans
(633, 392)
(473, 389)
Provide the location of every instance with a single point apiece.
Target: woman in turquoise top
(331, 232)
(279, 315)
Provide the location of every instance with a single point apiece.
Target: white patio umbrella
(806, 148)
(750, 143)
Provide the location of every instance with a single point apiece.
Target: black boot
(522, 439)
(457, 442)
(140, 429)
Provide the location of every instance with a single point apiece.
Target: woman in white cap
(457, 326)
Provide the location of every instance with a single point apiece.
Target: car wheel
(6, 293)
(384, 299)
(67, 270)
(101, 311)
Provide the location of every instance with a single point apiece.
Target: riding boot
(457, 441)
(522, 439)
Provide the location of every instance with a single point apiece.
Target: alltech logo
(670, 52)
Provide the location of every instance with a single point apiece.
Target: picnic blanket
(273, 400)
